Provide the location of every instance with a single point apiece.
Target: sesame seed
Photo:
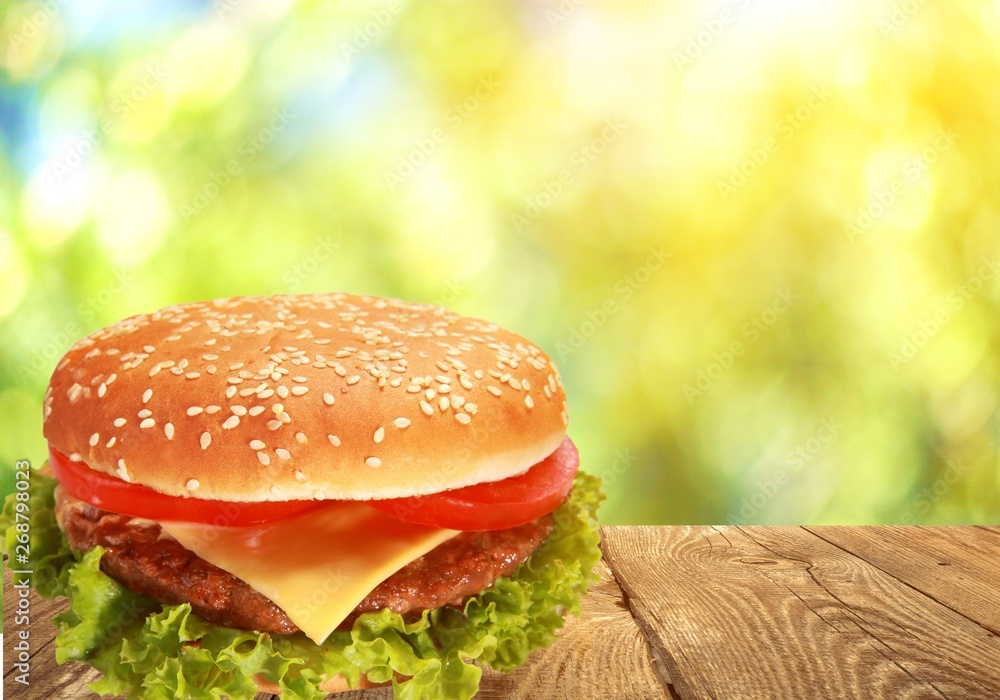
(529, 402)
(147, 395)
(111, 442)
(194, 410)
(263, 458)
(328, 399)
(249, 391)
(300, 477)
(238, 410)
(75, 457)
(122, 470)
(300, 379)
(206, 440)
(494, 390)
(94, 439)
(413, 388)
(373, 462)
(526, 384)
(565, 418)
(353, 379)
(256, 410)
(301, 438)
(283, 453)
(235, 380)
(463, 418)
(515, 383)
(212, 409)
(278, 408)
(156, 370)
(299, 390)
(119, 422)
(283, 391)
(401, 422)
(334, 440)
(426, 408)
(444, 403)
(441, 379)
(471, 408)
(478, 374)
(268, 393)
(274, 424)
(168, 430)
(147, 423)
(379, 435)
(430, 394)
(101, 391)
(192, 485)
(465, 381)
(257, 444)
(145, 413)
(284, 418)
(457, 401)
(230, 392)
(193, 375)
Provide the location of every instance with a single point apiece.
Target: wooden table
(743, 612)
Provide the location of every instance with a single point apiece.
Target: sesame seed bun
(305, 397)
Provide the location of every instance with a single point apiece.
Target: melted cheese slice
(316, 566)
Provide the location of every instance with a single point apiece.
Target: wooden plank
(957, 566)
(956, 656)
(734, 619)
(603, 651)
(601, 654)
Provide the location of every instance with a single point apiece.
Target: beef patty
(148, 561)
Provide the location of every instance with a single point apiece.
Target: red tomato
(108, 493)
(496, 505)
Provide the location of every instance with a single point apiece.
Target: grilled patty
(147, 560)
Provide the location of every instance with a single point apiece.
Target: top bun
(314, 396)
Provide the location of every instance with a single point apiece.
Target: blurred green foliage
(759, 239)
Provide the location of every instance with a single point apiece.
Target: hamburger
(306, 494)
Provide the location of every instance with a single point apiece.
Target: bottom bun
(337, 684)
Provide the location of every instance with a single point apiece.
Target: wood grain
(729, 612)
(781, 613)
(952, 565)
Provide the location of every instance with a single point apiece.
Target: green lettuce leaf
(145, 650)
(29, 520)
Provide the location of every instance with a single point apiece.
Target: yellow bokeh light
(131, 216)
(205, 63)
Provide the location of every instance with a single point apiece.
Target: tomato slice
(496, 505)
(108, 493)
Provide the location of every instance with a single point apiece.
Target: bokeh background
(759, 237)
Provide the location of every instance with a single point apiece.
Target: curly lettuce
(166, 652)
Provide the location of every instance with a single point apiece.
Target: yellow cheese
(316, 566)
